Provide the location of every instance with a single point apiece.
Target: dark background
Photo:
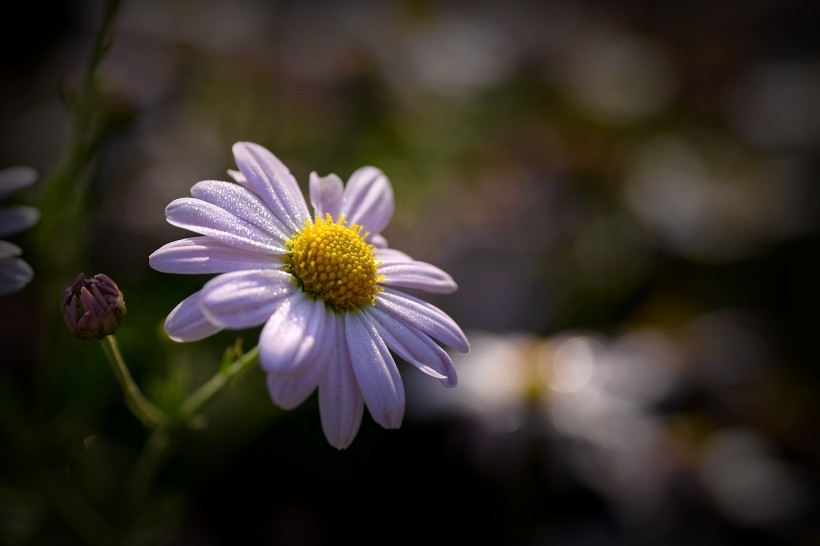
(626, 193)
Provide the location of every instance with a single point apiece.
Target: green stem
(65, 189)
(61, 200)
(151, 416)
(209, 390)
(162, 438)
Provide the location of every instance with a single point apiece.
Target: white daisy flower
(325, 286)
(15, 273)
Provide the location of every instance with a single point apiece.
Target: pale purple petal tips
(13, 179)
(393, 256)
(292, 333)
(241, 203)
(208, 219)
(288, 390)
(237, 176)
(378, 241)
(199, 255)
(244, 299)
(187, 323)
(340, 401)
(429, 319)
(376, 372)
(368, 200)
(8, 249)
(271, 180)
(326, 195)
(414, 347)
(16, 219)
(419, 275)
(14, 275)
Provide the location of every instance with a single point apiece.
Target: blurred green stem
(162, 437)
(67, 187)
(151, 416)
(209, 390)
(62, 232)
(140, 406)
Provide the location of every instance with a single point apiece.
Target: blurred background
(626, 193)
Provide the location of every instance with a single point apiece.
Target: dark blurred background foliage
(626, 193)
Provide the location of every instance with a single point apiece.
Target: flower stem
(67, 188)
(163, 436)
(151, 416)
(209, 390)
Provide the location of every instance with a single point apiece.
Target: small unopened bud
(93, 308)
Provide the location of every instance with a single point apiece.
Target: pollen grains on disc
(331, 260)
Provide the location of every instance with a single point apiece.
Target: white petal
(368, 200)
(326, 195)
(271, 180)
(340, 401)
(288, 390)
(414, 347)
(376, 372)
(429, 319)
(292, 333)
(243, 299)
(199, 255)
(15, 274)
(243, 204)
(207, 219)
(13, 179)
(16, 219)
(187, 323)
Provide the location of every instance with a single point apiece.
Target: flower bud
(93, 308)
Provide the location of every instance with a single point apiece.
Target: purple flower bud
(93, 308)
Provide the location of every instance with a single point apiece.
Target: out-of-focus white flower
(323, 285)
(15, 273)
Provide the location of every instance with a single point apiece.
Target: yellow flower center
(332, 261)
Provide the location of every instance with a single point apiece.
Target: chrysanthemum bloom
(15, 273)
(324, 286)
(93, 308)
